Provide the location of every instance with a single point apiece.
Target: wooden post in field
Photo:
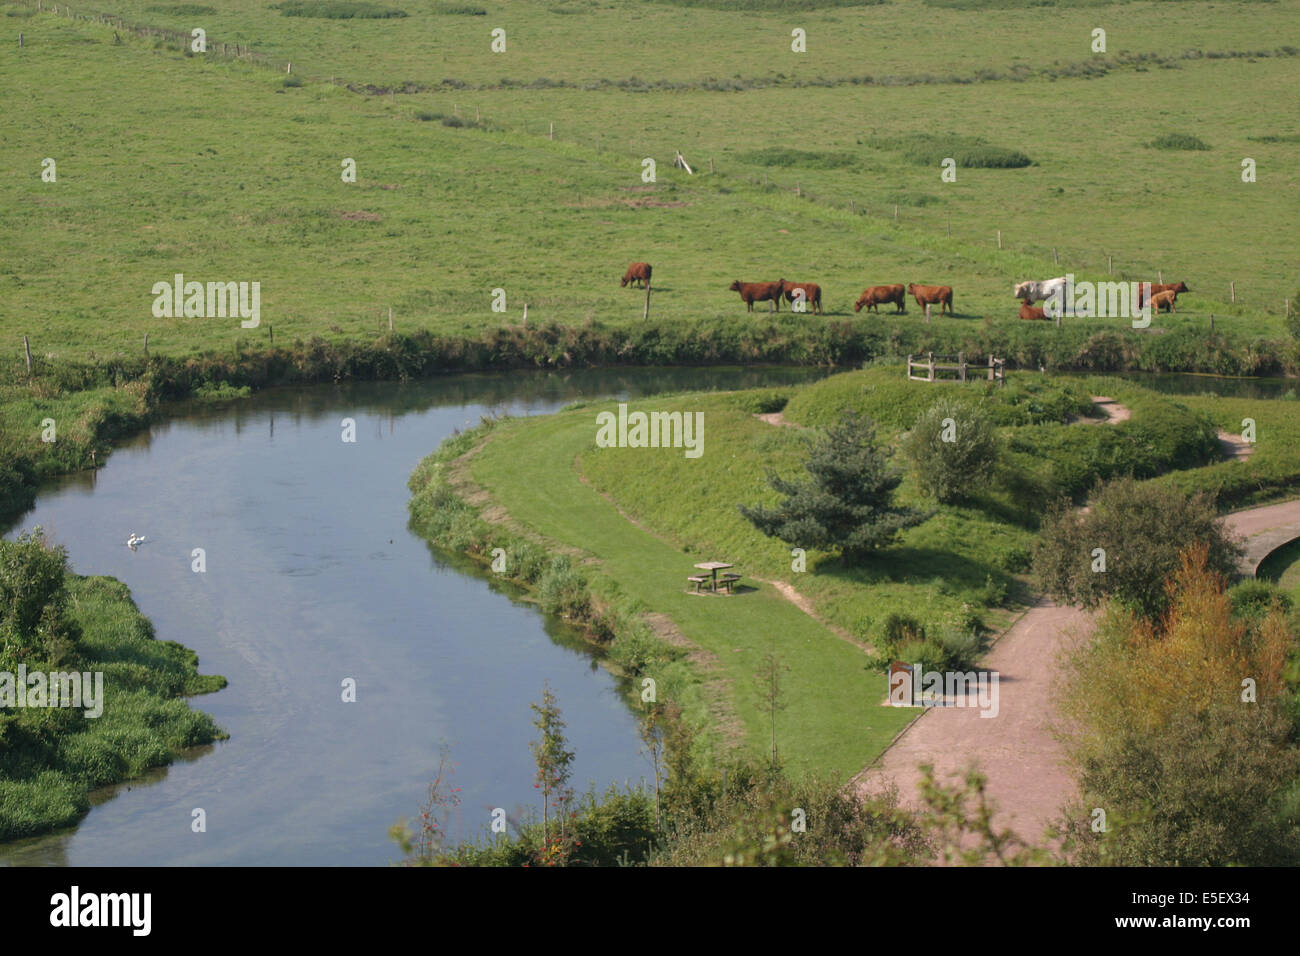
(948, 225)
(927, 322)
(1211, 323)
(895, 212)
(551, 134)
(646, 314)
(146, 343)
(961, 365)
(20, 41)
(525, 313)
(1160, 276)
(1109, 269)
(288, 68)
(710, 164)
(990, 366)
(28, 349)
(1287, 304)
(851, 209)
(390, 318)
(930, 354)
(796, 189)
(271, 328)
(1232, 290)
(999, 238)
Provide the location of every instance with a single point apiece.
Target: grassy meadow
(214, 168)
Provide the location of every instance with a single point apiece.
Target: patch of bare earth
(776, 418)
(1112, 412)
(1234, 446)
(360, 215)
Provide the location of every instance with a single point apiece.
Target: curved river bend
(313, 577)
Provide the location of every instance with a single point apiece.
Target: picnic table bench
(711, 579)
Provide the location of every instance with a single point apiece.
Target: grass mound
(1179, 141)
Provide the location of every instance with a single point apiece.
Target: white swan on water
(134, 540)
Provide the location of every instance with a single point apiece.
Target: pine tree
(848, 506)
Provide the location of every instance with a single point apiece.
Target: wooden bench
(699, 580)
(727, 580)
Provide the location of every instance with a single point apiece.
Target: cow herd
(805, 295)
(1163, 295)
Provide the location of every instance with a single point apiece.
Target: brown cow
(1174, 287)
(930, 294)
(879, 295)
(752, 292)
(1028, 311)
(637, 272)
(1164, 301)
(812, 294)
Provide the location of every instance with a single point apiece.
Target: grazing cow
(1164, 301)
(930, 294)
(1028, 311)
(752, 292)
(1156, 287)
(1038, 290)
(637, 272)
(879, 295)
(812, 294)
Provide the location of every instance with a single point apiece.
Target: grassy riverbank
(51, 758)
(609, 539)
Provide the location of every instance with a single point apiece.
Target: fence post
(271, 328)
(28, 349)
(895, 212)
(1109, 269)
(1160, 276)
(390, 318)
(20, 41)
(1232, 290)
(551, 134)
(948, 225)
(961, 365)
(999, 238)
(710, 164)
(146, 343)
(990, 366)
(927, 322)
(931, 354)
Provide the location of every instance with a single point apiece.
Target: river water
(313, 577)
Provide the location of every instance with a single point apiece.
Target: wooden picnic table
(714, 567)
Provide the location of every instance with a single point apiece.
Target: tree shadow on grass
(911, 565)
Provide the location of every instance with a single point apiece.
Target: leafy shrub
(1142, 528)
(953, 449)
(1254, 597)
(562, 589)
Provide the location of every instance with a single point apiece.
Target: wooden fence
(995, 369)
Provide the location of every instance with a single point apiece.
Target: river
(313, 577)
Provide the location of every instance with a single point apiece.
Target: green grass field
(215, 169)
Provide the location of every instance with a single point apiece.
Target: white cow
(1038, 290)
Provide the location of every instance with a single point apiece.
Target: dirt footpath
(1016, 751)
